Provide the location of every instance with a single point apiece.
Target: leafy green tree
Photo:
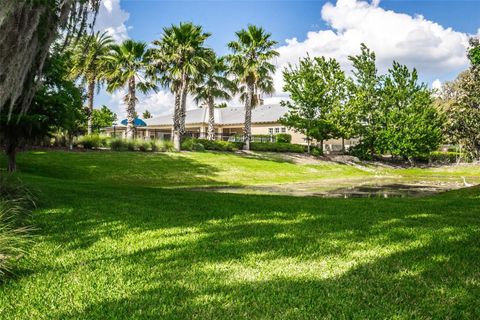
(56, 106)
(365, 99)
(102, 118)
(250, 63)
(126, 67)
(146, 115)
(317, 88)
(460, 101)
(474, 52)
(345, 114)
(213, 84)
(87, 60)
(412, 126)
(181, 56)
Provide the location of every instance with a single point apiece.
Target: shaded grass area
(128, 251)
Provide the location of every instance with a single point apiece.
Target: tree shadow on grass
(118, 168)
(435, 280)
(187, 255)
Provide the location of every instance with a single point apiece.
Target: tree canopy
(317, 88)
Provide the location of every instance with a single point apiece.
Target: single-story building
(228, 125)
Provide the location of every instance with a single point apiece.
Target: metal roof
(224, 116)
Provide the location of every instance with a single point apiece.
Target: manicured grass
(184, 169)
(112, 243)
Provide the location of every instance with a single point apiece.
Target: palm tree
(213, 84)
(126, 67)
(181, 56)
(250, 63)
(87, 57)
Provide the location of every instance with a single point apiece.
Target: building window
(270, 130)
(277, 130)
(284, 130)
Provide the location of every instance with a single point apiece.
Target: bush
(142, 145)
(130, 144)
(283, 138)
(16, 203)
(14, 240)
(316, 152)
(444, 157)
(12, 189)
(219, 145)
(192, 145)
(156, 145)
(117, 144)
(168, 145)
(262, 138)
(105, 141)
(277, 147)
(90, 141)
(360, 151)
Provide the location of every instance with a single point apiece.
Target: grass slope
(111, 244)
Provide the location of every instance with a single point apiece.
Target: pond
(384, 187)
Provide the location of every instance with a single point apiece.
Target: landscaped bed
(123, 236)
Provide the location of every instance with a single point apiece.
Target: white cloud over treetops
(112, 19)
(435, 51)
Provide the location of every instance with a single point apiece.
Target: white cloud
(159, 103)
(435, 51)
(437, 84)
(112, 18)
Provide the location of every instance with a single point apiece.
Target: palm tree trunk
(131, 107)
(91, 92)
(176, 122)
(211, 120)
(183, 112)
(247, 129)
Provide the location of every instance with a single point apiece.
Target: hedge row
(277, 147)
(118, 144)
(204, 144)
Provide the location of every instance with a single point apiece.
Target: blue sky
(428, 35)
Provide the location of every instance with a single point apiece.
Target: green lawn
(118, 239)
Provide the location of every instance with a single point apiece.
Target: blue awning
(137, 122)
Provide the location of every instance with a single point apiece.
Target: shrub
(444, 157)
(277, 147)
(14, 241)
(263, 138)
(142, 145)
(90, 141)
(156, 145)
(15, 204)
(59, 140)
(315, 152)
(283, 138)
(117, 144)
(168, 145)
(130, 144)
(187, 144)
(219, 145)
(360, 151)
(192, 145)
(12, 189)
(104, 141)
